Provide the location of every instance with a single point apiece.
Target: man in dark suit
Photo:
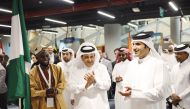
(54, 58)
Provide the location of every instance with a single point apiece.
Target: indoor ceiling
(84, 12)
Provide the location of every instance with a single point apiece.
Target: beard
(44, 64)
(135, 54)
(123, 59)
(66, 60)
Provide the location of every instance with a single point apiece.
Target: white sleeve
(103, 81)
(73, 85)
(172, 78)
(114, 73)
(160, 90)
(173, 89)
(151, 95)
(160, 50)
(186, 91)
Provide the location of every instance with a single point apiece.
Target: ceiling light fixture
(50, 31)
(7, 26)
(92, 25)
(136, 9)
(5, 10)
(56, 21)
(69, 1)
(40, 2)
(106, 14)
(133, 25)
(89, 27)
(173, 5)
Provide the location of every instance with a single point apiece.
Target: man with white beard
(67, 56)
(89, 80)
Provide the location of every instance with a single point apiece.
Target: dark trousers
(168, 104)
(3, 101)
(111, 92)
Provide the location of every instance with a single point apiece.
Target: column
(175, 29)
(112, 33)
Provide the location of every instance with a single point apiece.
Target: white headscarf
(64, 50)
(148, 41)
(182, 48)
(89, 49)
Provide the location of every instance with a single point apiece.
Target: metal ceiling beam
(74, 8)
(79, 7)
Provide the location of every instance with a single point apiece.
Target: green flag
(19, 65)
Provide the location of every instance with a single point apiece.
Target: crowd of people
(144, 78)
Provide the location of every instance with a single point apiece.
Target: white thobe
(94, 97)
(169, 59)
(147, 78)
(66, 93)
(181, 83)
(119, 70)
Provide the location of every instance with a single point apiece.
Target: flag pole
(129, 42)
(20, 103)
(19, 81)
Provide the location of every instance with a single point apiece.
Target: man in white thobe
(67, 57)
(181, 78)
(118, 74)
(89, 80)
(145, 80)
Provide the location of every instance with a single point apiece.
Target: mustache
(135, 51)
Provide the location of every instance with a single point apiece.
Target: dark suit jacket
(56, 59)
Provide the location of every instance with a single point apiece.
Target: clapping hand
(89, 77)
